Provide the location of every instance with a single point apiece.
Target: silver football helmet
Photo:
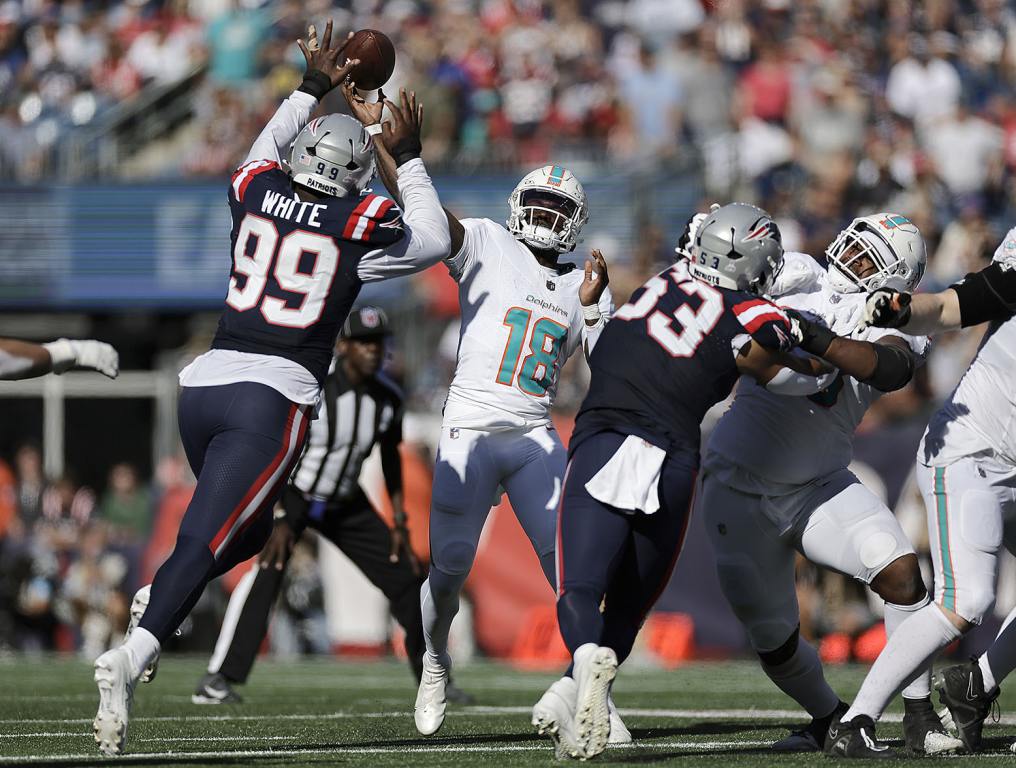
(738, 247)
(884, 250)
(332, 155)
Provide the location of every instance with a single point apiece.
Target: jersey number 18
(537, 372)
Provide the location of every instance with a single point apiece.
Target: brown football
(377, 58)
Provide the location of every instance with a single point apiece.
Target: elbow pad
(986, 295)
(894, 368)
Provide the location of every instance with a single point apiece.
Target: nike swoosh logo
(214, 694)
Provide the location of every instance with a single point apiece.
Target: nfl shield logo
(551, 286)
(369, 317)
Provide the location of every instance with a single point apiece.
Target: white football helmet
(887, 246)
(332, 155)
(548, 209)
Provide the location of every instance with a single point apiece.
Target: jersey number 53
(695, 323)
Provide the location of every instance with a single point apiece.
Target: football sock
(578, 615)
(912, 647)
(439, 602)
(177, 586)
(895, 615)
(142, 647)
(802, 679)
(1000, 659)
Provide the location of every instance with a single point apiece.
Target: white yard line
(790, 715)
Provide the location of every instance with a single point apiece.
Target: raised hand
(364, 111)
(322, 57)
(595, 280)
(401, 135)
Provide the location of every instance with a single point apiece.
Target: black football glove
(809, 335)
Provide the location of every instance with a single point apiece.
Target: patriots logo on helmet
(763, 228)
(312, 126)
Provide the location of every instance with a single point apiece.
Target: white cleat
(430, 698)
(938, 743)
(554, 716)
(138, 606)
(595, 667)
(116, 692)
(619, 733)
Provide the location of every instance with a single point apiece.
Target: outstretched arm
(370, 115)
(988, 295)
(782, 372)
(886, 365)
(24, 360)
(427, 240)
(323, 73)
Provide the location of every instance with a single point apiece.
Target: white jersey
(773, 444)
(979, 418)
(520, 322)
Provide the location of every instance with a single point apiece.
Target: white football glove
(97, 355)
(691, 231)
(885, 308)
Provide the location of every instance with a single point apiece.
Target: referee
(361, 407)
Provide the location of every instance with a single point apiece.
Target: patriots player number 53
(695, 323)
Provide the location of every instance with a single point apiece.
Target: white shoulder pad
(1005, 254)
(800, 274)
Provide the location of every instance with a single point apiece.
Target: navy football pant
(616, 558)
(242, 441)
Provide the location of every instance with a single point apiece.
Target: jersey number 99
(286, 255)
(538, 368)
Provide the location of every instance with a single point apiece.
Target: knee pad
(453, 558)
(768, 617)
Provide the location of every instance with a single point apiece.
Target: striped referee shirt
(343, 435)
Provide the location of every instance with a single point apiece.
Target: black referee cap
(366, 323)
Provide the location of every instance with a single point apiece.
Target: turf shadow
(696, 729)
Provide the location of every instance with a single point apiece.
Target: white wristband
(591, 312)
(373, 130)
(61, 354)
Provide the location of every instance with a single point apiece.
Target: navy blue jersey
(668, 355)
(294, 275)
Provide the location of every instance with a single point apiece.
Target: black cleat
(855, 739)
(215, 689)
(923, 732)
(812, 736)
(961, 689)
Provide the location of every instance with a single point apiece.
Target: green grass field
(322, 712)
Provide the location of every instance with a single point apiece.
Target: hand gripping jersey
(784, 442)
(668, 356)
(297, 266)
(520, 322)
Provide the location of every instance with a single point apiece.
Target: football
(377, 58)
